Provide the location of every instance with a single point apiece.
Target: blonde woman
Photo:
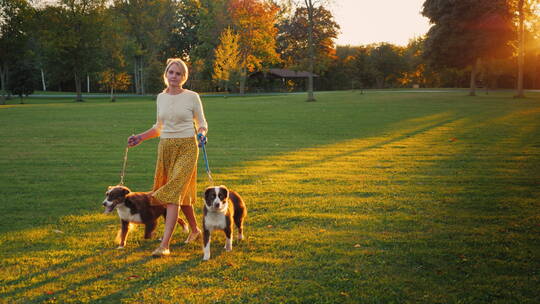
(179, 114)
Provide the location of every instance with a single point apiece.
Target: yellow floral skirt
(175, 179)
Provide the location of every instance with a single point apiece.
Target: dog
(221, 207)
(135, 208)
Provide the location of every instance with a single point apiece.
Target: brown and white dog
(134, 208)
(221, 207)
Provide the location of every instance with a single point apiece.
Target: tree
(254, 22)
(310, 6)
(227, 58)
(521, 47)
(183, 38)
(149, 26)
(15, 16)
(71, 34)
(387, 62)
(214, 18)
(115, 44)
(112, 80)
(524, 10)
(23, 79)
(293, 39)
(466, 31)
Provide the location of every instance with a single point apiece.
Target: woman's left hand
(201, 137)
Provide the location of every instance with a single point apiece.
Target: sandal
(193, 236)
(161, 252)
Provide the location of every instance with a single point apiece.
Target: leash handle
(202, 142)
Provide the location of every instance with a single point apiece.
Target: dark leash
(202, 144)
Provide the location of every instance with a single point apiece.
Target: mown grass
(356, 198)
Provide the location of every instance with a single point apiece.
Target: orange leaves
(254, 21)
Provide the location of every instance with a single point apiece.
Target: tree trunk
(43, 80)
(112, 87)
(142, 76)
(535, 72)
(136, 75)
(3, 78)
(521, 50)
(78, 86)
(243, 77)
(310, 8)
(474, 69)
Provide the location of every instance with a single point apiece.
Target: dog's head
(216, 198)
(114, 196)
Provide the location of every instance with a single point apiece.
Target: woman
(179, 113)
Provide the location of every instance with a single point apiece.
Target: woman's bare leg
(170, 224)
(190, 216)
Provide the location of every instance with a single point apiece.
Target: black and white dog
(135, 208)
(221, 207)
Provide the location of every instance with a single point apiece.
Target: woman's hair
(183, 69)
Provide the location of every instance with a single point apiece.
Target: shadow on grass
(62, 269)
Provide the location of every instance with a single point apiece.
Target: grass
(373, 198)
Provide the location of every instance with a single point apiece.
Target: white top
(179, 115)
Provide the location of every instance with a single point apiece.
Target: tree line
(121, 45)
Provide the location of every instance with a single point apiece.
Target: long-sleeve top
(179, 115)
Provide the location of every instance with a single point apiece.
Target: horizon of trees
(121, 46)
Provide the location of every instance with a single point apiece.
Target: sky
(371, 21)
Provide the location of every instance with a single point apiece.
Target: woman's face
(174, 75)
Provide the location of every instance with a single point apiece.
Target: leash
(203, 145)
(123, 173)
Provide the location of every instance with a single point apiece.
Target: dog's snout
(104, 203)
(216, 205)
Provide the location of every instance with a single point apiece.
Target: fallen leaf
(58, 231)
(357, 246)
(452, 139)
(133, 277)
(49, 292)
(269, 226)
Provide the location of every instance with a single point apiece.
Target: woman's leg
(190, 216)
(170, 224)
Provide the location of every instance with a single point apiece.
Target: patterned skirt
(175, 179)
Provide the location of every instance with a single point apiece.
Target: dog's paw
(206, 257)
(240, 236)
(120, 247)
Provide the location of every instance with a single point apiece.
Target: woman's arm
(134, 140)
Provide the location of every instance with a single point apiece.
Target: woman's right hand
(134, 140)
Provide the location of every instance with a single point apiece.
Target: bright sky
(370, 21)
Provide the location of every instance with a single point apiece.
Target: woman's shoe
(161, 252)
(193, 236)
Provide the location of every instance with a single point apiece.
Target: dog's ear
(125, 191)
(224, 191)
(207, 192)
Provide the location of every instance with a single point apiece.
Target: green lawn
(356, 198)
